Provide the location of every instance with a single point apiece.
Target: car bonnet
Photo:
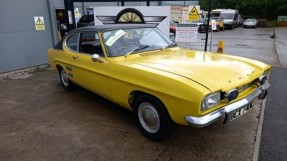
(213, 71)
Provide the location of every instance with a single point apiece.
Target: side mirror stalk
(96, 58)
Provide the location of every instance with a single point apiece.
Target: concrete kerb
(255, 154)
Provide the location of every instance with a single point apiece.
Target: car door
(69, 58)
(92, 75)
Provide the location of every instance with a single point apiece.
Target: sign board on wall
(39, 23)
(157, 15)
(186, 33)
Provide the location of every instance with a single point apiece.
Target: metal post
(207, 25)
(83, 8)
(211, 32)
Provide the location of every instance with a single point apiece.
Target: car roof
(113, 27)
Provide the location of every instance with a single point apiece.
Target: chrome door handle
(75, 57)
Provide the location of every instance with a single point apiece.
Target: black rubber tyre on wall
(129, 15)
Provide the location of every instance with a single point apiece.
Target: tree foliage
(265, 9)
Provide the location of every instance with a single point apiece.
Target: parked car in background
(86, 20)
(201, 23)
(251, 22)
(219, 23)
(172, 27)
(139, 68)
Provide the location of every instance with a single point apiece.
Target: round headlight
(210, 101)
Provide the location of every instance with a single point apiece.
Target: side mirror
(97, 58)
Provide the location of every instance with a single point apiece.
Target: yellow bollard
(220, 46)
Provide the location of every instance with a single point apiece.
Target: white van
(216, 12)
(230, 18)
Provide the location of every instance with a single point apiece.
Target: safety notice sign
(39, 23)
(193, 14)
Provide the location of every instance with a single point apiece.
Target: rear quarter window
(72, 42)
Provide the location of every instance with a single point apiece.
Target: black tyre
(65, 81)
(152, 118)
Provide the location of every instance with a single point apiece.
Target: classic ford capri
(139, 68)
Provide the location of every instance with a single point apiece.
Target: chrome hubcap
(148, 117)
(64, 78)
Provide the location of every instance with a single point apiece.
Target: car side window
(90, 44)
(72, 42)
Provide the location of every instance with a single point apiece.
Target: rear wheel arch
(67, 84)
(59, 67)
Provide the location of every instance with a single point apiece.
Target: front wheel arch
(158, 127)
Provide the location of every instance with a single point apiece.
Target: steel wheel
(152, 117)
(64, 78)
(149, 117)
(65, 81)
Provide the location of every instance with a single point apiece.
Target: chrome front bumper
(223, 113)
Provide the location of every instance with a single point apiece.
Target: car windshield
(123, 42)
(227, 15)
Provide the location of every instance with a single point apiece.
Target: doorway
(62, 22)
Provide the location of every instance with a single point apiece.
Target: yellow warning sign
(39, 23)
(193, 14)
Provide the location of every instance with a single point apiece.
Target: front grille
(244, 87)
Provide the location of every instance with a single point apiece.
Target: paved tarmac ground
(248, 42)
(281, 45)
(274, 134)
(41, 121)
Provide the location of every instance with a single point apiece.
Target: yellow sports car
(139, 68)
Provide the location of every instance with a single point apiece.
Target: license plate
(239, 112)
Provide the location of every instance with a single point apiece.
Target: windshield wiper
(173, 44)
(137, 49)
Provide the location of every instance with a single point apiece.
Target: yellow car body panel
(179, 78)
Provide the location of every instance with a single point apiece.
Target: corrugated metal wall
(20, 44)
